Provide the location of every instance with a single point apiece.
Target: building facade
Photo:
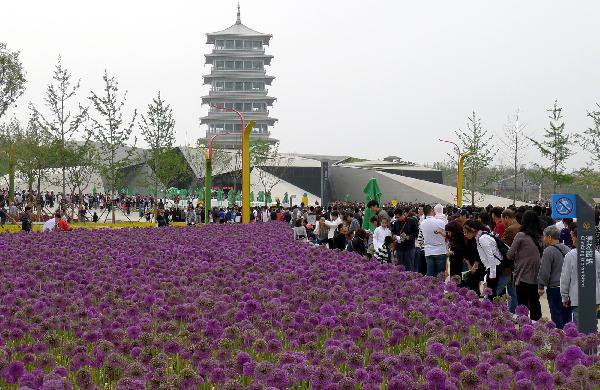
(238, 81)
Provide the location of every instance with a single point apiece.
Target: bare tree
(112, 134)
(61, 125)
(516, 145)
(271, 165)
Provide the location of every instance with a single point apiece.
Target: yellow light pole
(246, 172)
(459, 174)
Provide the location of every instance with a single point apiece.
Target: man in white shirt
(434, 242)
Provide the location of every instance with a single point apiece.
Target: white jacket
(488, 252)
(332, 226)
(379, 236)
(569, 286)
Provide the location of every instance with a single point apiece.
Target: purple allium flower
(499, 375)
(571, 330)
(217, 375)
(436, 377)
(526, 332)
(544, 380)
(524, 384)
(456, 368)
(130, 384)
(436, 349)
(248, 368)
(15, 371)
(134, 332)
(522, 310)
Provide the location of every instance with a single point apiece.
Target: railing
(258, 91)
(257, 71)
(242, 111)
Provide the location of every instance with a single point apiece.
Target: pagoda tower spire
(239, 19)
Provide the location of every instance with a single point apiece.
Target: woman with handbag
(526, 252)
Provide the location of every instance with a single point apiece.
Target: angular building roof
(238, 30)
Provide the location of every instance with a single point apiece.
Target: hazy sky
(359, 78)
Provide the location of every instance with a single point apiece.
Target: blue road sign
(564, 206)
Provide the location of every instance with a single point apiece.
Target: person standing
(488, 251)
(526, 251)
(381, 232)
(456, 248)
(569, 286)
(373, 205)
(549, 275)
(405, 229)
(498, 223)
(26, 219)
(434, 242)
(511, 226)
(332, 225)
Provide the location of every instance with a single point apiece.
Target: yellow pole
(246, 172)
(459, 182)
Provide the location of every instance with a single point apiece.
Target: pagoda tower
(238, 80)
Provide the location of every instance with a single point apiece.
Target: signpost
(572, 206)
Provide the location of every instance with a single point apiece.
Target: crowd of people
(519, 253)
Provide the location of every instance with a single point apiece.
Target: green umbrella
(230, 197)
(201, 195)
(251, 196)
(220, 195)
(94, 191)
(286, 198)
(183, 192)
(238, 197)
(172, 191)
(261, 196)
(372, 192)
(269, 199)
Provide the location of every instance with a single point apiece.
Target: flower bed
(231, 306)
(16, 228)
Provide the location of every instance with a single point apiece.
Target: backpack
(505, 262)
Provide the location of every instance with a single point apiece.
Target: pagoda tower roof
(238, 30)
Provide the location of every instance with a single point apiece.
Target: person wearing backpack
(549, 275)
(489, 253)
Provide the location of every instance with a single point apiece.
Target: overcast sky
(360, 78)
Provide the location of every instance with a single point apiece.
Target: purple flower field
(232, 307)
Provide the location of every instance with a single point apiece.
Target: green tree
(12, 78)
(589, 140)
(555, 147)
(10, 133)
(174, 170)
(62, 125)
(476, 141)
(34, 154)
(158, 130)
(111, 133)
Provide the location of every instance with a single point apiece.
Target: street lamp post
(207, 176)
(245, 133)
(459, 174)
